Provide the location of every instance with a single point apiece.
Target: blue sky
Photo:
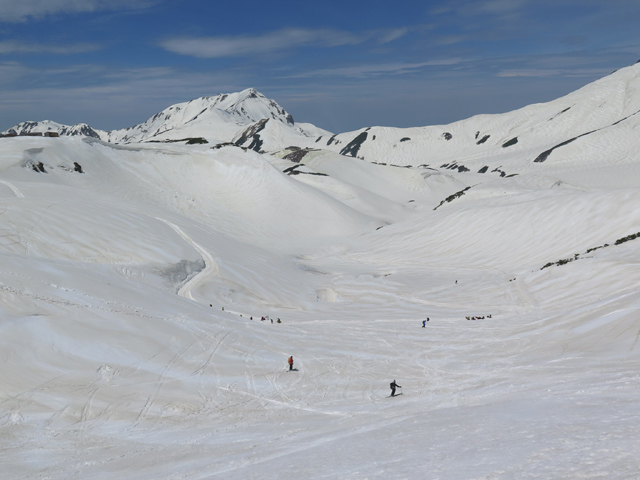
(340, 65)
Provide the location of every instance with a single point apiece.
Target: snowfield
(133, 279)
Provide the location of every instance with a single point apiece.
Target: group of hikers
(477, 318)
(262, 319)
(266, 319)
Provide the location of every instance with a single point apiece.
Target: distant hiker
(279, 321)
(393, 385)
(262, 319)
(424, 323)
(290, 363)
(250, 318)
(272, 320)
(223, 308)
(427, 319)
(456, 282)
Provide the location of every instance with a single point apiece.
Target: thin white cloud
(536, 72)
(394, 34)
(499, 7)
(22, 10)
(19, 47)
(273, 42)
(362, 71)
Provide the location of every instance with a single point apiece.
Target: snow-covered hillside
(133, 281)
(606, 113)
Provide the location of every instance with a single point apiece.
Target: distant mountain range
(218, 119)
(503, 144)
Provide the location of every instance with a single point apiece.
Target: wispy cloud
(535, 72)
(273, 42)
(20, 47)
(362, 71)
(497, 8)
(22, 10)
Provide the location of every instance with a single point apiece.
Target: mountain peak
(218, 117)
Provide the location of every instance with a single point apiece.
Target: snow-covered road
(201, 277)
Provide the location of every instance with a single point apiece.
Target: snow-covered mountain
(80, 129)
(217, 119)
(134, 277)
(606, 112)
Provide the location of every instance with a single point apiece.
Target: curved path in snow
(13, 188)
(210, 266)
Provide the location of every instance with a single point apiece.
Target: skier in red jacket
(290, 363)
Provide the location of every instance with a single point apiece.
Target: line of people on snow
(262, 319)
(478, 318)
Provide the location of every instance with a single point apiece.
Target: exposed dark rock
(298, 154)
(544, 155)
(77, 167)
(627, 238)
(508, 143)
(354, 145)
(38, 167)
(483, 169)
(451, 198)
(252, 133)
(294, 171)
(560, 113)
(188, 141)
(196, 141)
(218, 146)
(497, 169)
(483, 139)
(447, 136)
(330, 141)
(576, 256)
(405, 139)
(318, 139)
(477, 133)
(462, 168)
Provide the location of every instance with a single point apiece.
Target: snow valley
(137, 265)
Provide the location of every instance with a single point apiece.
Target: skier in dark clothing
(393, 386)
(424, 323)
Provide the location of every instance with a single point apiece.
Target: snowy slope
(603, 114)
(133, 279)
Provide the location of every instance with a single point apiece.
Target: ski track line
(210, 266)
(337, 435)
(159, 384)
(204, 366)
(16, 191)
